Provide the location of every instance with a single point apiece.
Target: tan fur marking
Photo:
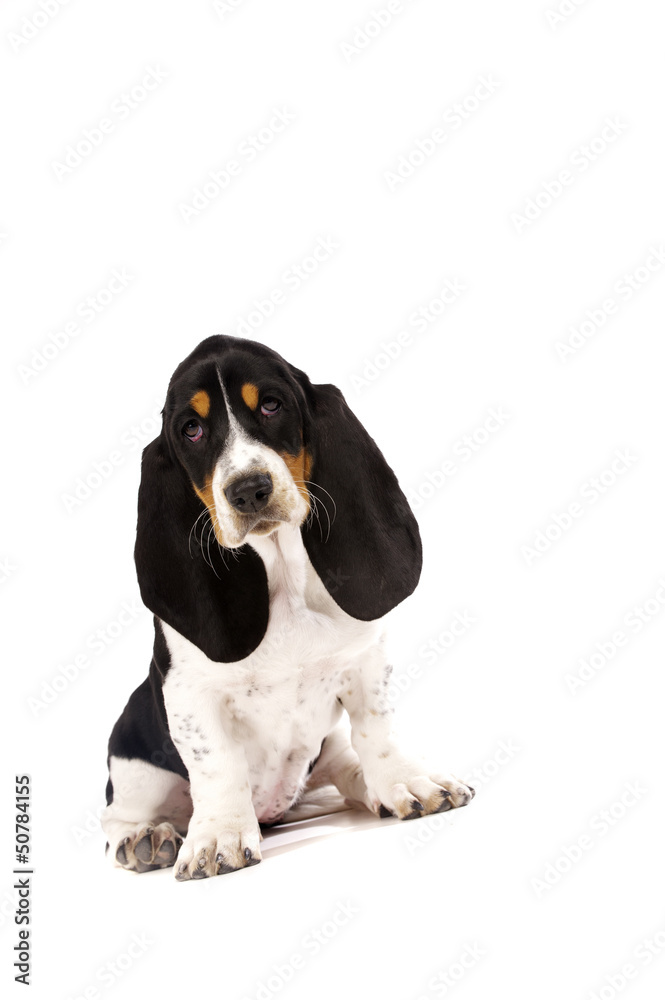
(200, 402)
(208, 499)
(299, 466)
(250, 394)
(264, 527)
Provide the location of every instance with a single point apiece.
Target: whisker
(220, 547)
(313, 510)
(193, 529)
(205, 527)
(311, 501)
(204, 552)
(211, 531)
(319, 487)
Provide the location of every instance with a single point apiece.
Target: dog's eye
(193, 430)
(270, 406)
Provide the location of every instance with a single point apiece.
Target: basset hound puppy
(272, 540)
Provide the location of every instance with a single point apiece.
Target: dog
(272, 540)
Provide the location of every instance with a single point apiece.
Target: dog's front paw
(214, 850)
(411, 795)
(147, 846)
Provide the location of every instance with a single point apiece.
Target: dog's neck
(285, 560)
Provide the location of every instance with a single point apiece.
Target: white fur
(281, 701)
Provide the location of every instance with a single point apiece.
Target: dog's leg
(223, 832)
(397, 784)
(339, 765)
(148, 811)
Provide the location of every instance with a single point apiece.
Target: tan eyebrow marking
(200, 402)
(250, 394)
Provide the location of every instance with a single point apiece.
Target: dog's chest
(281, 701)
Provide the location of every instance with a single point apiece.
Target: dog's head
(235, 422)
(248, 443)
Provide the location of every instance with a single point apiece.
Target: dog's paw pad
(121, 853)
(168, 852)
(445, 802)
(144, 848)
(148, 848)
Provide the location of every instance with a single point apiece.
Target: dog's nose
(249, 495)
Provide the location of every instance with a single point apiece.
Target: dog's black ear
(364, 541)
(218, 603)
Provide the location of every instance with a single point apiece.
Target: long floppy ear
(368, 555)
(219, 604)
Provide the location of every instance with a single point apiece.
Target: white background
(479, 881)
